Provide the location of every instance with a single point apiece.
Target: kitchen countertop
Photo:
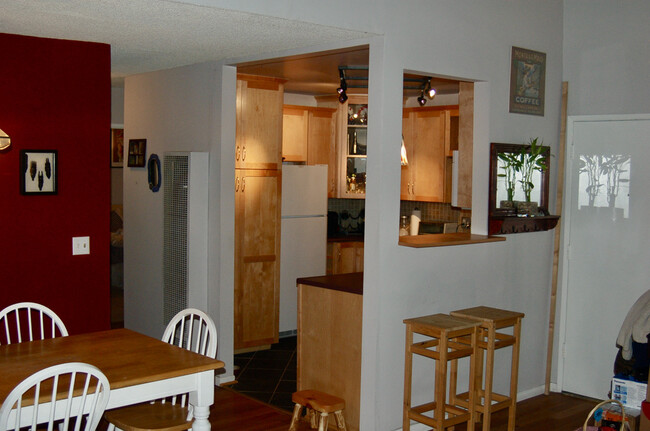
(446, 239)
(350, 283)
(345, 238)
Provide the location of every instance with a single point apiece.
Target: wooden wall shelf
(500, 225)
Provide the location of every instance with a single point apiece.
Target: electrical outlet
(80, 245)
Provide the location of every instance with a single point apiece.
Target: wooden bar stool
(443, 331)
(489, 340)
(316, 401)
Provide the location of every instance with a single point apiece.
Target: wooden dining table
(139, 368)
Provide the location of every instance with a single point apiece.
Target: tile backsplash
(430, 211)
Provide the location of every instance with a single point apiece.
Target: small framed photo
(117, 148)
(527, 81)
(38, 172)
(137, 152)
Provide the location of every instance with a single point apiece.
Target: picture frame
(39, 172)
(117, 147)
(527, 81)
(137, 152)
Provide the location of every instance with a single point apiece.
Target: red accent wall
(56, 94)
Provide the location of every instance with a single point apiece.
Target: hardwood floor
(556, 412)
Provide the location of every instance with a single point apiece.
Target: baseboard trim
(224, 380)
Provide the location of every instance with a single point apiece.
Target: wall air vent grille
(175, 237)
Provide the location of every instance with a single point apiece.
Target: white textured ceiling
(147, 35)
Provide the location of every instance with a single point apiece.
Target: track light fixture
(429, 90)
(421, 100)
(342, 89)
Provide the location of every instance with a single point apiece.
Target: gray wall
(606, 56)
(192, 108)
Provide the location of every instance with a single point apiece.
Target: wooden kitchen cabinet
(344, 257)
(259, 122)
(295, 133)
(308, 134)
(351, 145)
(257, 257)
(424, 131)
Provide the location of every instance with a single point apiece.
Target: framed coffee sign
(527, 81)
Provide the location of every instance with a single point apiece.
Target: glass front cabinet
(353, 149)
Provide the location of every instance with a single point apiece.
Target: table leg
(202, 399)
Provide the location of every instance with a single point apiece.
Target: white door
(606, 243)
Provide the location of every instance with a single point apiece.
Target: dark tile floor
(269, 375)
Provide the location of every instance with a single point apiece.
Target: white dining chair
(30, 321)
(190, 329)
(80, 392)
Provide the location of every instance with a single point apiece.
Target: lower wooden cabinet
(344, 257)
(257, 257)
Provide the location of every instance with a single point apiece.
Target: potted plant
(510, 167)
(531, 159)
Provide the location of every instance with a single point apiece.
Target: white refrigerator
(303, 234)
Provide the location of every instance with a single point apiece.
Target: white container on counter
(416, 217)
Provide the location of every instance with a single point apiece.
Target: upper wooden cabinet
(428, 138)
(257, 257)
(308, 134)
(259, 122)
(295, 133)
(351, 143)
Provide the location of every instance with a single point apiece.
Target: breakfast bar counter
(351, 283)
(329, 338)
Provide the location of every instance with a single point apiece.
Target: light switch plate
(80, 245)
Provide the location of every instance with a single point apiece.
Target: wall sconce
(5, 140)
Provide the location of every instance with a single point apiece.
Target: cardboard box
(630, 393)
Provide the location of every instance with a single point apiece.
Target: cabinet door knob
(243, 184)
(243, 154)
(237, 153)
(236, 184)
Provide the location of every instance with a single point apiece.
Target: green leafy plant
(510, 167)
(531, 158)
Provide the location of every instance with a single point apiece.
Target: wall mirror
(509, 188)
(509, 210)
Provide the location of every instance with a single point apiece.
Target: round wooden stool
(491, 319)
(442, 346)
(316, 401)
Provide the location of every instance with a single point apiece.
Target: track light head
(342, 97)
(421, 100)
(430, 91)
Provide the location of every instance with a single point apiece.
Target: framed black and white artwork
(38, 172)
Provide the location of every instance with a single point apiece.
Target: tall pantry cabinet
(258, 193)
